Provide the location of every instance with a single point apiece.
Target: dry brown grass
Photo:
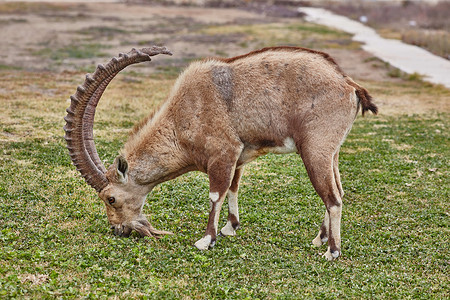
(409, 97)
(437, 42)
(422, 24)
(32, 7)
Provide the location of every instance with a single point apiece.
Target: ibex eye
(111, 200)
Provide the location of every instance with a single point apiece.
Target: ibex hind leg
(322, 236)
(233, 212)
(320, 167)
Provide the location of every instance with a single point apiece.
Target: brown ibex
(220, 115)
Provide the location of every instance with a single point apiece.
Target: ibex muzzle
(220, 115)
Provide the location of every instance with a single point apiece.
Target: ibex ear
(122, 168)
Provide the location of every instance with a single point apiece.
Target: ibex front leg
(233, 212)
(322, 236)
(220, 174)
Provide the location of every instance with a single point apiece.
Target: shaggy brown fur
(285, 48)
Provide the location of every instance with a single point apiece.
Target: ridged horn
(80, 114)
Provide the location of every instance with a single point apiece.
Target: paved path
(408, 58)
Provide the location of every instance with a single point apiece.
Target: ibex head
(123, 198)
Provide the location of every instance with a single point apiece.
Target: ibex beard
(220, 115)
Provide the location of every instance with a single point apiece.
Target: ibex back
(220, 115)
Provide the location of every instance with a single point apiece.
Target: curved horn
(80, 115)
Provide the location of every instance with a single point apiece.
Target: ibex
(220, 115)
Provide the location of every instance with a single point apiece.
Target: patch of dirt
(360, 64)
(409, 103)
(71, 37)
(34, 279)
(42, 41)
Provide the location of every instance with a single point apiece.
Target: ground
(74, 37)
(414, 22)
(55, 241)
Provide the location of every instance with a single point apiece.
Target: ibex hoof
(205, 243)
(319, 241)
(228, 230)
(331, 255)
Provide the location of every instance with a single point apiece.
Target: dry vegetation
(418, 23)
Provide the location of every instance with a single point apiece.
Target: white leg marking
(228, 230)
(335, 224)
(317, 241)
(326, 221)
(214, 202)
(216, 217)
(331, 255)
(233, 204)
(203, 243)
(214, 196)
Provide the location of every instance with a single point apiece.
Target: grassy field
(55, 239)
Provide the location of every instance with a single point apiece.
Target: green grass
(8, 67)
(56, 242)
(102, 31)
(27, 8)
(73, 51)
(273, 34)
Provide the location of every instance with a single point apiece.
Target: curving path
(408, 58)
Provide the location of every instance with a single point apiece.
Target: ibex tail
(364, 98)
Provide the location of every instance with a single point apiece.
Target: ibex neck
(154, 155)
